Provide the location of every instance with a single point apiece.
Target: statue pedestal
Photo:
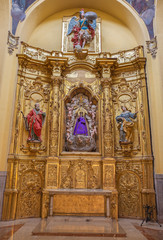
(34, 146)
(126, 148)
(81, 53)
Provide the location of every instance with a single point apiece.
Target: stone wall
(3, 175)
(159, 196)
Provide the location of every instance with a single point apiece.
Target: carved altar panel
(80, 179)
(29, 197)
(67, 45)
(80, 174)
(79, 204)
(108, 176)
(129, 195)
(52, 175)
(66, 175)
(94, 175)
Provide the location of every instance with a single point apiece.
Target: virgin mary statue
(81, 126)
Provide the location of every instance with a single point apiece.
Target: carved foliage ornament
(152, 47)
(36, 87)
(129, 195)
(12, 42)
(80, 174)
(109, 179)
(52, 175)
(29, 198)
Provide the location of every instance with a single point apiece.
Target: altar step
(79, 226)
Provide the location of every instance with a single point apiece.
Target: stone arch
(81, 89)
(114, 8)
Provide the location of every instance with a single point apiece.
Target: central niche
(81, 122)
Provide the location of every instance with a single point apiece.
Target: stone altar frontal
(80, 167)
(83, 202)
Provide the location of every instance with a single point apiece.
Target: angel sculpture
(83, 29)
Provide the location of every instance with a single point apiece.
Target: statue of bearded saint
(34, 122)
(83, 29)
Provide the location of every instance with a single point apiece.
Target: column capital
(106, 64)
(57, 64)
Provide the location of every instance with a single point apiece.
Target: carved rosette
(55, 115)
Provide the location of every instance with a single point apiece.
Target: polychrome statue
(35, 120)
(83, 29)
(125, 125)
(81, 126)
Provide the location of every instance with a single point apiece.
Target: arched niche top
(80, 66)
(119, 9)
(81, 90)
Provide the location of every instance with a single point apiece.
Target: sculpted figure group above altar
(83, 29)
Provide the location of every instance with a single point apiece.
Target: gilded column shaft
(55, 116)
(108, 138)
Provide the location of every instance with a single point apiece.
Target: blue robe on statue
(81, 127)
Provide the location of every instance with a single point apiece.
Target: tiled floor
(22, 229)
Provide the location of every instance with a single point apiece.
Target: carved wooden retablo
(82, 158)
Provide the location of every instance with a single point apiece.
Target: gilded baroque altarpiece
(69, 174)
